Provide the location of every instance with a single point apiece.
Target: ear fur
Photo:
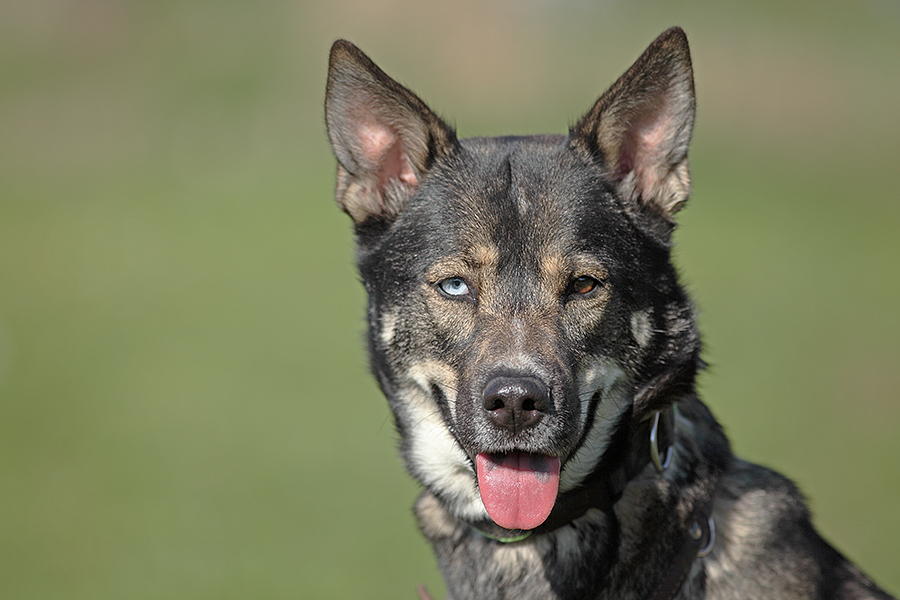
(641, 128)
(383, 136)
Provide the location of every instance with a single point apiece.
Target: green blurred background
(185, 409)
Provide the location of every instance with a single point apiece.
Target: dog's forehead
(522, 190)
(533, 180)
(535, 172)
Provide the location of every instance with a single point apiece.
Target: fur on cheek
(434, 457)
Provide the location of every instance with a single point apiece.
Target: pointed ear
(384, 137)
(641, 127)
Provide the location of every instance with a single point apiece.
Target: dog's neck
(600, 530)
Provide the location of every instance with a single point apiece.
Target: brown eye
(583, 285)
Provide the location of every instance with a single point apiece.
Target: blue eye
(454, 286)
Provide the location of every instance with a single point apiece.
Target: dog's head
(522, 302)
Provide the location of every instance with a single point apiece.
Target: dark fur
(560, 247)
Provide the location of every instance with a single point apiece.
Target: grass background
(185, 410)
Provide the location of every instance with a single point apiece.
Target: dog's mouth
(518, 489)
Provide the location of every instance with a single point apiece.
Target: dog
(528, 328)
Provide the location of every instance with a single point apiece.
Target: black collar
(649, 442)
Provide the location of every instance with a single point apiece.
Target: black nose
(516, 403)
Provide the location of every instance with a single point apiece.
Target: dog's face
(522, 304)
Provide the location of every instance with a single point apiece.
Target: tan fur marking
(640, 327)
(388, 328)
(554, 271)
(429, 372)
(434, 518)
(485, 257)
(557, 269)
(452, 267)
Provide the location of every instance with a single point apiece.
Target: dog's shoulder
(766, 541)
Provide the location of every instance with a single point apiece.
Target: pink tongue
(518, 489)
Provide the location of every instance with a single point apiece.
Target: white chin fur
(437, 459)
